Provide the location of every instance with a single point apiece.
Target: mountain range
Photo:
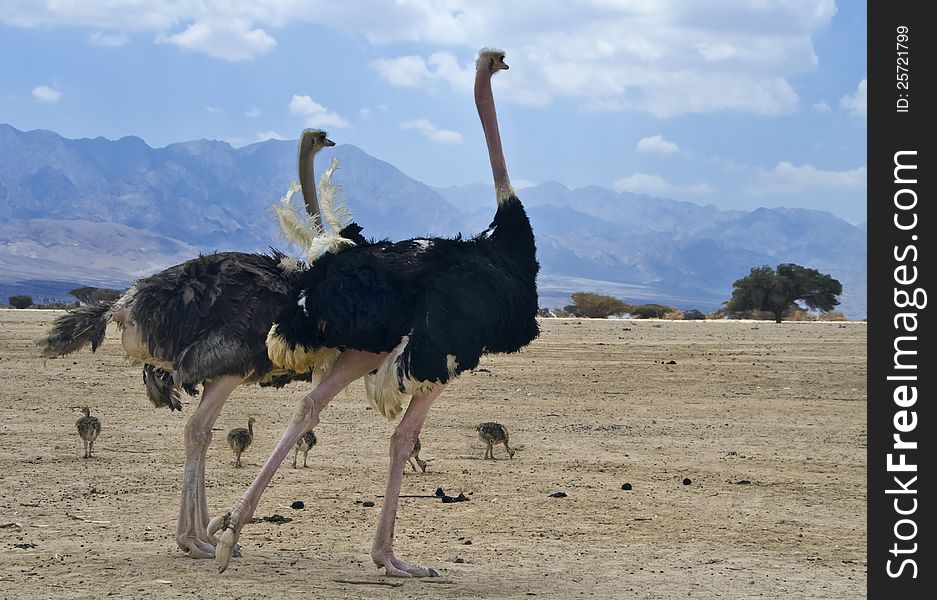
(103, 212)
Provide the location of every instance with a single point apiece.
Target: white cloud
(231, 39)
(368, 111)
(44, 93)
(413, 71)
(314, 114)
(520, 184)
(787, 178)
(658, 145)
(650, 183)
(252, 112)
(433, 133)
(268, 135)
(108, 40)
(856, 103)
(666, 58)
(214, 110)
(821, 107)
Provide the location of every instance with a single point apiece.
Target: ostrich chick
(88, 428)
(415, 456)
(493, 433)
(304, 444)
(239, 439)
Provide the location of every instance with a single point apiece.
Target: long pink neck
(485, 102)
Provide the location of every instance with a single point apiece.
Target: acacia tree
(777, 291)
(599, 306)
(90, 295)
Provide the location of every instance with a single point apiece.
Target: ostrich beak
(328, 143)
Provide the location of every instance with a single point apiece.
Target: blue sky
(737, 103)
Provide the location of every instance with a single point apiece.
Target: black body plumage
(209, 316)
(451, 297)
(206, 317)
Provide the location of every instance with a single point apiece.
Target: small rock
(367, 503)
(687, 481)
(298, 505)
(458, 559)
(558, 495)
(24, 546)
(440, 493)
(626, 487)
(467, 543)
(743, 482)
(671, 362)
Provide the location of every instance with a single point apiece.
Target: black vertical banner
(902, 166)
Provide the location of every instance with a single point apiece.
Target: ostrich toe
(397, 567)
(229, 525)
(196, 548)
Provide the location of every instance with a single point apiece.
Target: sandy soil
(591, 405)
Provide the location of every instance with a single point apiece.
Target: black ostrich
(412, 314)
(201, 322)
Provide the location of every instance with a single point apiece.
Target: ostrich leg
(351, 365)
(193, 511)
(401, 444)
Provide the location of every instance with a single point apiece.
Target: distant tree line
(781, 293)
(83, 295)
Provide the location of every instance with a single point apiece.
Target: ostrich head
(251, 421)
(310, 142)
(313, 138)
(491, 60)
(87, 411)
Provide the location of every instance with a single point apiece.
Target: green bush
(20, 301)
(651, 311)
(598, 306)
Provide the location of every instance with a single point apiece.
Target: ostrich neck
(307, 181)
(485, 102)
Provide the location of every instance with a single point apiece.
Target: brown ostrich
(304, 445)
(415, 456)
(494, 433)
(203, 322)
(89, 428)
(239, 440)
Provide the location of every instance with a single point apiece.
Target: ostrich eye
(501, 58)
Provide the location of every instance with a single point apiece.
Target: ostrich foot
(196, 548)
(397, 567)
(229, 525)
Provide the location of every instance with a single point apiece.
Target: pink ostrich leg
(351, 365)
(191, 535)
(401, 444)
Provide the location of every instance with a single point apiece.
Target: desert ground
(767, 421)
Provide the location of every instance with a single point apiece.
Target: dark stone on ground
(298, 505)
(626, 486)
(687, 481)
(558, 495)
